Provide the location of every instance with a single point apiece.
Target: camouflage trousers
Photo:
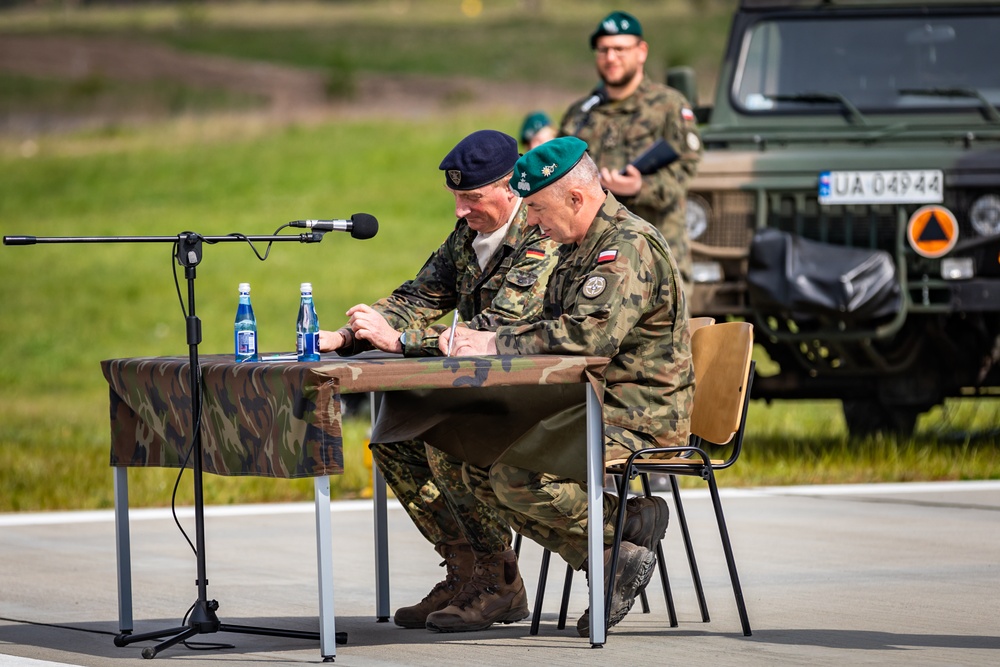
(430, 486)
(550, 509)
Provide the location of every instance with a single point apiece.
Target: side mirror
(682, 79)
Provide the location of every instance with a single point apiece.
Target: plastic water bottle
(307, 327)
(245, 327)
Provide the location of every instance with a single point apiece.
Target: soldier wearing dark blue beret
(491, 270)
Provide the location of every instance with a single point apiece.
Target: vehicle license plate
(909, 186)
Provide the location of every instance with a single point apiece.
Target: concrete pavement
(899, 574)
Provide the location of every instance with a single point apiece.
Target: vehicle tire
(867, 418)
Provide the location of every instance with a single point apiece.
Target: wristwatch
(402, 340)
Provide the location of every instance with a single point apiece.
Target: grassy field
(68, 306)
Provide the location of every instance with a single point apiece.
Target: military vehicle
(848, 202)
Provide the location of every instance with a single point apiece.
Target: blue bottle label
(308, 346)
(246, 343)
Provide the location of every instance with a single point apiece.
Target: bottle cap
(244, 287)
(306, 287)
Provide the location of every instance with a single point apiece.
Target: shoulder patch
(606, 256)
(534, 253)
(687, 114)
(594, 286)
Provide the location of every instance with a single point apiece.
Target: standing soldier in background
(493, 270)
(627, 115)
(536, 130)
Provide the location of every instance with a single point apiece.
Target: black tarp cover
(812, 280)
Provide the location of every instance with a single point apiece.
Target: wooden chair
(724, 373)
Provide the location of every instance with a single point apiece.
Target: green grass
(98, 94)
(68, 306)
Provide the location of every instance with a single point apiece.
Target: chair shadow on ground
(866, 640)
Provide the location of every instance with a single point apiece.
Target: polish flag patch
(687, 114)
(606, 256)
(536, 254)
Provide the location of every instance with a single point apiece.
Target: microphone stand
(202, 619)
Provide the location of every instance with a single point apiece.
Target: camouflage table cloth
(283, 419)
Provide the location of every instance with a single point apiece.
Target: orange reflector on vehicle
(932, 231)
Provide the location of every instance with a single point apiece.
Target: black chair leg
(662, 563)
(543, 576)
(692, 562)
(564, 606)
(730, 560)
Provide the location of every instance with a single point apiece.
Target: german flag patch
(534, 253)
(606, 256)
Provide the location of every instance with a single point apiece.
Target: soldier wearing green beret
(616, 293)
(492, 269)
(536, 130)
(627, 114)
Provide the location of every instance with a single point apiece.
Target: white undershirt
(486, 244)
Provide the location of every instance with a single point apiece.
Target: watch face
(402, 339)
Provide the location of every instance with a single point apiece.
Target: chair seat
(615, 466)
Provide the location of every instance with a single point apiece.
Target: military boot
(495, 594)
(633, 572)
(459, 559)
(645, 521)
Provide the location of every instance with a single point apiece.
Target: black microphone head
(363, 226)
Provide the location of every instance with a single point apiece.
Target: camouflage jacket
(509, 290)
(617, 294)
(618, 132)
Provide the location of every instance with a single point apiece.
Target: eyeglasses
(619, 51)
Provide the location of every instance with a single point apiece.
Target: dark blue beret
(480, 159)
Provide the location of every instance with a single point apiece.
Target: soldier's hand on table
(469, 342)
(368, 324)
(627, 184)
(330, 341)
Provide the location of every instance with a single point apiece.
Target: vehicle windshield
(873, 64)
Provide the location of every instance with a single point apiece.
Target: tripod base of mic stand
(204, 621)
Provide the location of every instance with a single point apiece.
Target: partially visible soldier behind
(615, 293)
(536, 130)
(493, 268)
(626, 115)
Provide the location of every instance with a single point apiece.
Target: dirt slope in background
(292, 92)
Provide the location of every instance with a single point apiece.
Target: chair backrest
(695, 323)
(721, 355)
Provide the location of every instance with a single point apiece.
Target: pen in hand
(451, 336)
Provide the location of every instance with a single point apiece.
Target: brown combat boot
(459, 559)
(634, 570)
(494, 595)
(646, 520)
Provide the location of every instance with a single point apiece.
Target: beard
(627, 75)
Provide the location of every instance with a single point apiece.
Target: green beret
(616, 23)
(532, 124)
(544, 165)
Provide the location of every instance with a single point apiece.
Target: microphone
(599, 97)
(361, 225)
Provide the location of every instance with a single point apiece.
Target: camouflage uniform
(427, 481)
(617, 294)
(619, 131)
